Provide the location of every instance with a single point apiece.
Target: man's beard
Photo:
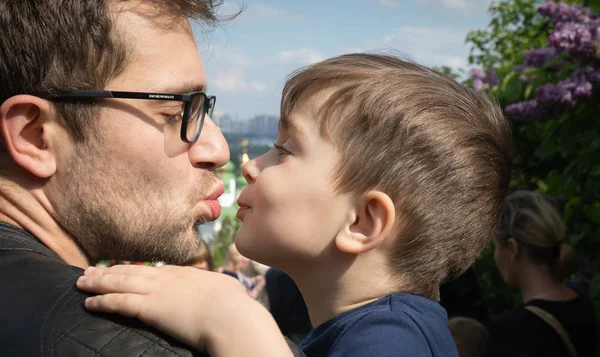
(113, 212)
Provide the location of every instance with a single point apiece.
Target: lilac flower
(478, 84)
(541, 57)
(562, 12)
(525, 79)
(579, 40)
(477, 74)
(524, 110)
(480, 79)
(567, 92)
(588, 73)
(491, 78)
(552, 94)
(520, 68)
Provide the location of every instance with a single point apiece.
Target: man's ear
(25, 122)
(369, 225)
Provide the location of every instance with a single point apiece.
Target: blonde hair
(442, 152)
(535, 224)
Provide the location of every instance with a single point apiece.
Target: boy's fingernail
(88, 301)
(82, 278)
(89, 270)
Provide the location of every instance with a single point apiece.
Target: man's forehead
(161, 59)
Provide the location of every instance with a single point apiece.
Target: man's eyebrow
(185, 88)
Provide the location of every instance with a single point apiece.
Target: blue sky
(247, 60)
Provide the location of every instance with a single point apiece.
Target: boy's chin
(260, 251)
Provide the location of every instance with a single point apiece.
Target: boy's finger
(136, 270)
(124, 304)
(113, 283)
(94, 271)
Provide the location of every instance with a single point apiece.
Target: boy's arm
(207, 311)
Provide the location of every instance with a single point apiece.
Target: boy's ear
(26, 130)
(369, 225)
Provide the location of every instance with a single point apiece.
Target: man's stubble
(119, 208)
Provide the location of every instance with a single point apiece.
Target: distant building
(260, 125)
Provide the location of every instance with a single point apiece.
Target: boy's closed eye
(281, 150)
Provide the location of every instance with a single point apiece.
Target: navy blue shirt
(396, 325)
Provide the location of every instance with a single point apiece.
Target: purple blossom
(478, 84)
(477, 74)
(567, 92)
(589, 74)
(541, 57)
(576, 32)
(491, 78)
(524, 110)
(562, 12)
(579, 40)
(525, 79)
(520, 68)
(582, 90)
(481, 79)
(552, 94)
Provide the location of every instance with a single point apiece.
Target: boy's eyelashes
(281, 151)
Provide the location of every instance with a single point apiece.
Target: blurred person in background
(235, 265)
(469, 334)
(202, 259)
(554, 320)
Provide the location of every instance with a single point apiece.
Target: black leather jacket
(42, 312)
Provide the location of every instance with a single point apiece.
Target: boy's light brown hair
(442, 152)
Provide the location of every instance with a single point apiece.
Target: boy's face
(290, 211)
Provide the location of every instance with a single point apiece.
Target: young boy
(386, 179)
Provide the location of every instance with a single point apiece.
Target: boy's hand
(207, 311)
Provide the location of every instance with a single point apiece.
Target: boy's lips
(244, 207)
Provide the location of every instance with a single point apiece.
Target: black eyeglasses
(196, 105)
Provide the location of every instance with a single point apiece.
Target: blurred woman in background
(554, 320)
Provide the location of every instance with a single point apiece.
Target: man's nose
(211, 150)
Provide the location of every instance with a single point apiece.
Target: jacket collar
(17, 239)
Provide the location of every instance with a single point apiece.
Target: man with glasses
(108, 151)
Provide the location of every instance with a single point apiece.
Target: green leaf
(576, 238)
(542, 186)
(593, 212)
(554, 183)
(528, 91)
(511, 87)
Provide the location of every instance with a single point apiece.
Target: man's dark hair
(72, 44)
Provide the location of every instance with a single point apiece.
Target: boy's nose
(250, 171)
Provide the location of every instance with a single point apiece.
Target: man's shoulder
(42, 313)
